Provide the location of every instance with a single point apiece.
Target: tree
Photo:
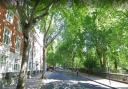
(30, 12)
(70, 45)
(100, 28)
(96, 25)
(52, 26)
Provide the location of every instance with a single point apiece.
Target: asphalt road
(66, 80)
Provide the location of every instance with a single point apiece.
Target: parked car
(50, 68)
(59, 69)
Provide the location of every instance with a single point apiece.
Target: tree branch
(48, 6)
(52, 38)
(48, 26)
(33, 11)
(44, 26)
(21, 12)
(45, 11)
(35, 20)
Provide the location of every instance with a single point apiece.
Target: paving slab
(107, 82)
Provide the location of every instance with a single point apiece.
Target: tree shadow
(7, 83)
(67, 84)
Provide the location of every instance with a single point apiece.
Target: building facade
(36, 51)
(10, 40)
(11, 43)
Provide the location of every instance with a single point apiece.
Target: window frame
(3, 59)
(16, 65)
(18, 43)
(9, 16)
(7, 36)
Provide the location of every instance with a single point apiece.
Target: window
(30, 65)
(16, 65)
(17, 43)
(3, 62)
(9, 16)
(6, 35)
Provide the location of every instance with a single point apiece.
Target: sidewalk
(36, 83)
(32, 83)
(106, 82)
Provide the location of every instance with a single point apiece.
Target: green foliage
(91, 64)
(95, 37)
(95, 32)
(51, 59)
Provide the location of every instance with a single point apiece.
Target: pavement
(31, 83)
(106, 82)
(68, 80)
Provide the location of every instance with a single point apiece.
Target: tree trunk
(101, 60)
(44, 58)
(104, 62)
(100, 56)
(101, 64)
(24, 64)
(73, 56)
(44, 62)
(115, 64)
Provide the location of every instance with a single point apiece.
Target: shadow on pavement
(70, 85)
(65, 76)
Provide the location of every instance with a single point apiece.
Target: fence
(113, 76)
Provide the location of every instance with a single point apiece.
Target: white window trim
(8, 35)
(16, 62)
(18, 49)
(3, 59)
(9, 11)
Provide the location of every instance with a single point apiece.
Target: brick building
(10, 40)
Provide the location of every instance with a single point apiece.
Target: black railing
(112, 76)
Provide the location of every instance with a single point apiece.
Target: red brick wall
(12, 27)
(2, 17)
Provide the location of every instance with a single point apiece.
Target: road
(59, 80)
(68, 80)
